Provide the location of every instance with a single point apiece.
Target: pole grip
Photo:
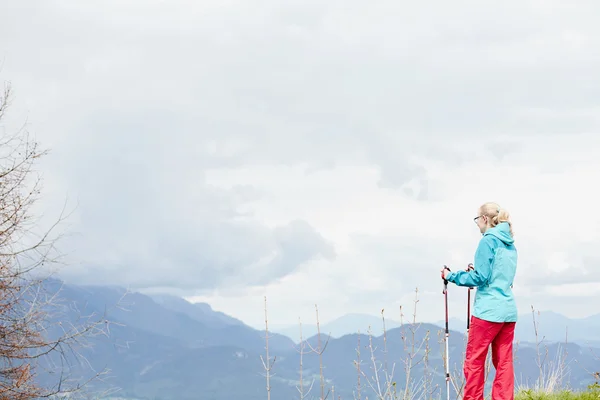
(445, 280)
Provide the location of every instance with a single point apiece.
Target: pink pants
(500, 335)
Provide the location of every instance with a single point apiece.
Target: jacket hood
(502, 232)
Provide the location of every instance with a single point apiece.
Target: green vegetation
(593, 393)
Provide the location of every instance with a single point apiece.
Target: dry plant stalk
(416, 389)
(357, 363)
(27, 307)
(319, 351)
(428, 388)
(267, 363)
(390, 385)
(552, 374)
(460, 383)
(594, 374)
(374, 382)
(301, 346)
(382, 381)
(539, 361)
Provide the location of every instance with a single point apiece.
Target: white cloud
(191, 134)
(404, 242)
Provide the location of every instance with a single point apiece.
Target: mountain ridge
(552, 326)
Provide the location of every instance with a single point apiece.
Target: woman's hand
(445, 272)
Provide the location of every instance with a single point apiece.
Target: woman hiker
(495, 311)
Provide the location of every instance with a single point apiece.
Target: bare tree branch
(40, 338)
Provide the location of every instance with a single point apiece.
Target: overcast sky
(331, 153)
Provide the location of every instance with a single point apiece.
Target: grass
(593, 393)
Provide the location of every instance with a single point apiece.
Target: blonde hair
(496, 215)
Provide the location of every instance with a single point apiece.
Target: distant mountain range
(164, 348)
(552, 327)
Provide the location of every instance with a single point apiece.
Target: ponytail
(497, 215)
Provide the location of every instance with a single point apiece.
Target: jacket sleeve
(480, 276)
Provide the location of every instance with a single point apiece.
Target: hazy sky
(329, 153)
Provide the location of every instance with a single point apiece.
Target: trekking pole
(447, 335)
(469, 267)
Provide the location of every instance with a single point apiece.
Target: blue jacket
(493, 275)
